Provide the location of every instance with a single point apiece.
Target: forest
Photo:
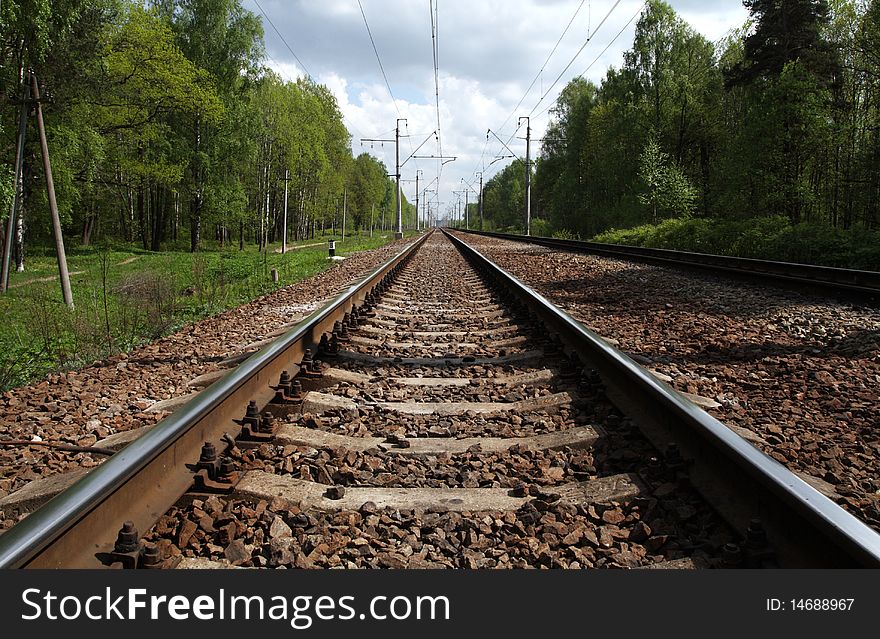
(765, 144)
(167, 128)
(175, 151)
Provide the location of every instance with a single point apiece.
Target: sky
(494, 65)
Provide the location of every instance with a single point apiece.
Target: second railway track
(456, 420)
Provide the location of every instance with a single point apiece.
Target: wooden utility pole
(19, 157)
(63, 275)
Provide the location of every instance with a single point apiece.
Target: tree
(226, 40)
(667, 190)
(785, 31)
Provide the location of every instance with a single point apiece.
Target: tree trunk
(141, 209)
(160, 217)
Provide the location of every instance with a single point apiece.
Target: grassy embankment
(125, 296)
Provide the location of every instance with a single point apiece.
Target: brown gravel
(666, 522)
(800, 371)
(110, 396)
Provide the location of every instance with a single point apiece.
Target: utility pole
(467, 224)
(284, 231)
(372, 210)
(481, 200)
(63, 275)
(528, 174)
(399, 233)
(458, 204)
(19, 155)
(417, 199)
(426, 207)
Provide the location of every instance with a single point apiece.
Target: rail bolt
(267, 424)
(127, 539)
(226, 469)
(757, 550)
(208, 454)
(151, 557)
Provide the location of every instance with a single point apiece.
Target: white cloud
(489, 51)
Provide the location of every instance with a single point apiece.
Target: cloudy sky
(489, 53)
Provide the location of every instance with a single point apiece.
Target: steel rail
(144, 479)
(851, 282)
(805, 528)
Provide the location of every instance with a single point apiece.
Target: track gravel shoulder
(117, 394)
(799, 373)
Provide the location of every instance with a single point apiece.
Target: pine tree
(785, 31)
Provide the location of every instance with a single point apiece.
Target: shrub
(769, 238)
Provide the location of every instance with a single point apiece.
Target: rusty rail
(805, 528)
(842, 281)
(144, 479)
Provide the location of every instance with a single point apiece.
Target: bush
(541, 227)
(768, 238)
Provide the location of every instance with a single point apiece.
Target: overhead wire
(607, 46)
(541, 71)
(543, 66)
(298, 61)
(289, 48)
(434, 12)
(384, 75)
(378, 57)
(575, 57)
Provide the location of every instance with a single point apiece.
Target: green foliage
(541, 228)
(771, 238)
(147, 295)
(785, 31)
(779, 118)
(667, 190)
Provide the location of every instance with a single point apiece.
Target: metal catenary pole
(528, 175)
(399, 233)
(63, 274)
(481, 200)
(417, 200)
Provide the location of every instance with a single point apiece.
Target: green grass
(125, 296)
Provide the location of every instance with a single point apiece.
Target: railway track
(846, 283)
(456, 420)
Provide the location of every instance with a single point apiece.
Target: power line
(434, 10)
(298, 61)
(378, 58)
(382, 69)
(295, 57)
(567, 66)
(543, 66)
(607, 46)
(583, 46)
